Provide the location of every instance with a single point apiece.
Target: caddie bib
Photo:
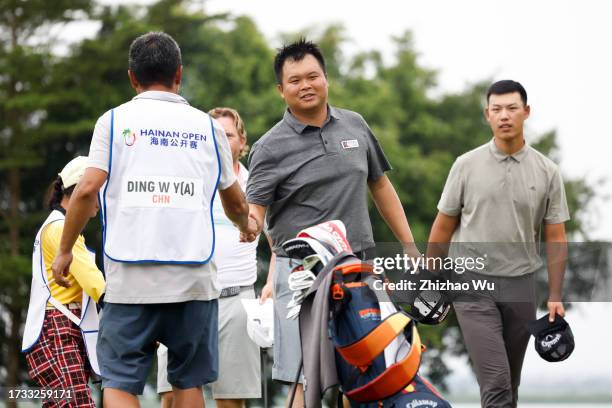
(40, 295)
(163, 172)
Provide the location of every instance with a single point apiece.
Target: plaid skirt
(59, 360)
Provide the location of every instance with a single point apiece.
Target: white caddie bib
(40, 295)
(163, 172)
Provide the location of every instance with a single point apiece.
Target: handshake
(251, 229)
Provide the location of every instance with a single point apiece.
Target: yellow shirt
(84, 274)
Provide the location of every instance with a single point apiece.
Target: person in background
(54, 345)
(236, 267)
(163, 162)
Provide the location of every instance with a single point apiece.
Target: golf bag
(377, 348)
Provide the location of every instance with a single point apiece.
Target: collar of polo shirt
(501, 156)
(161, 96)
(299, 127)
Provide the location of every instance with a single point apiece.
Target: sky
(559, 50)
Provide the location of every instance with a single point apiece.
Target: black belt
(233, 290)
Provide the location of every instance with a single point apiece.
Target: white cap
(73, 171)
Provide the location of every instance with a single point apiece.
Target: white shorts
(239, 361)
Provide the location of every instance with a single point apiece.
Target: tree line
(49, 103)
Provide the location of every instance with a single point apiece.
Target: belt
(71, 306)
(233, 290)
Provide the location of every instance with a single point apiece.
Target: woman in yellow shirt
(61, 327)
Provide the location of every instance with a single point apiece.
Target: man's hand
(266, 293)
(250, 233)
(412, 251)
(61, 268)
(555, 308)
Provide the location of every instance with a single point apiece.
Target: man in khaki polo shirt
(498, 200)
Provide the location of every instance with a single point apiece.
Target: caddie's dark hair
(56, 192)
(507, 86)
(154, 58)
(296, 51)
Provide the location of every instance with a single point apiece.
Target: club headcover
(331, 233)
(300, 248)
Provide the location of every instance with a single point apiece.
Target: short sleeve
(83, 268)
(556, 203)
(263, 177)
(451, 200)
(377, 161)
(99, 149)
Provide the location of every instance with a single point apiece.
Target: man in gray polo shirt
(498, 199)
(317, 164)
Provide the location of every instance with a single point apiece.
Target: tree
(49, 104)
(421, 137)
(25, 63)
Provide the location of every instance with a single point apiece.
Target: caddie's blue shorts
(128, 338)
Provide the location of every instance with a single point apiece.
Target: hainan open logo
(129, 137)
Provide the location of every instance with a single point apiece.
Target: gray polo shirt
(306, 175)
(503, 201)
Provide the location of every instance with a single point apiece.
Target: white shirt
(236, 261)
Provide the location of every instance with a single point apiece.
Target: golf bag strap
(338, 286)
(362, 352)
(329, 268)
(360, 267)
(394, 378)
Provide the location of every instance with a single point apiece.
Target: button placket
(324, 142)
(507, 176)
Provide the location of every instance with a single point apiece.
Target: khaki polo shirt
(503, 201)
